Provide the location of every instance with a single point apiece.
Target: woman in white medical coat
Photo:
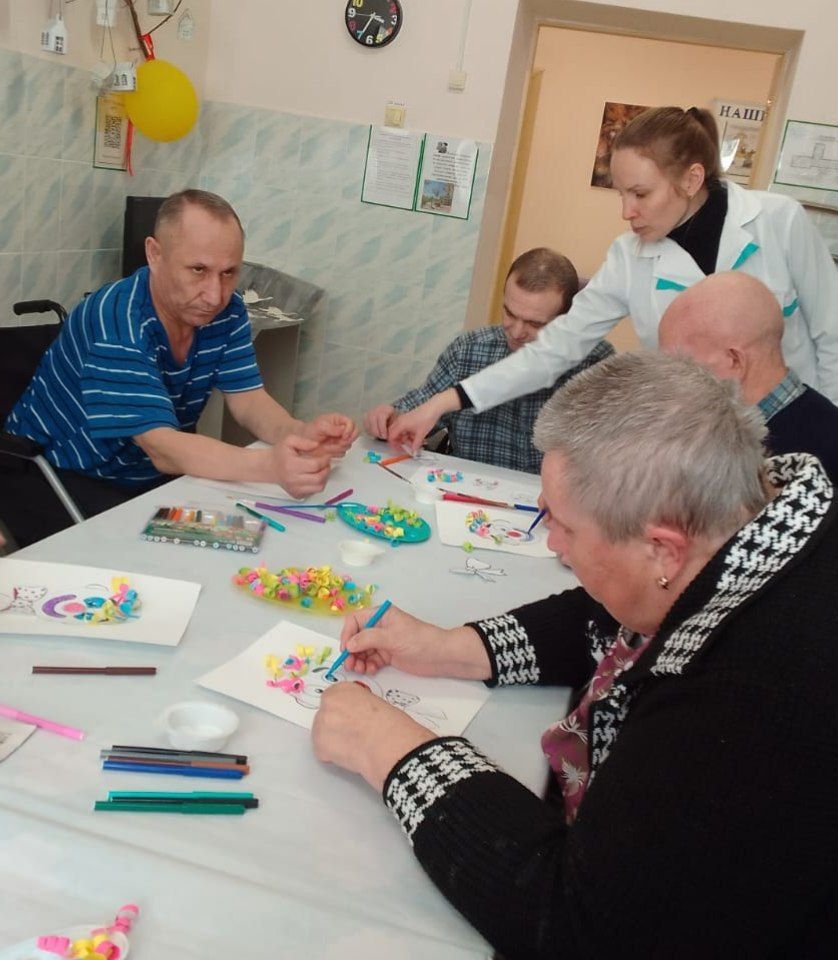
(686, 222)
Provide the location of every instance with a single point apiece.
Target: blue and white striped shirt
(110, 375)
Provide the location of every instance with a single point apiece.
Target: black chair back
(21, 349)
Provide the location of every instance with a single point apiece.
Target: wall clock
(373, 23)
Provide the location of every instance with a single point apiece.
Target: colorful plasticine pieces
(99, 944)
(394, 523)
(317, 589)
(122, 604)
(478, 522)
(289, 673)
(372, 457)
(445, 476)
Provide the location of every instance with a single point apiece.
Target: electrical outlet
(394, 114)
(457, 80)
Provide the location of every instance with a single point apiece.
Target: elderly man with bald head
(732, 323)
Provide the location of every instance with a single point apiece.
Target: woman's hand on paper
(362, 733)
(414, 646)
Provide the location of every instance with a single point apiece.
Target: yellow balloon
(164, 106)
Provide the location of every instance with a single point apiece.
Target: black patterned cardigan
(710, 824)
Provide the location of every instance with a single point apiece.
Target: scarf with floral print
(565, 744)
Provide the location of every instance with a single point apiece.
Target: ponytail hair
(674, 139)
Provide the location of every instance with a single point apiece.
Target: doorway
(567, 59)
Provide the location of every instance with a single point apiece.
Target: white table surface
(321, 869)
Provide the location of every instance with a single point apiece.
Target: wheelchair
(21, 349)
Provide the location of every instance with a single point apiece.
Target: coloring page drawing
(491, 528)
(444, 706)
(68, 600)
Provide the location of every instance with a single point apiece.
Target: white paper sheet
(35, 596)
(481, 485)
(258, 491)
(444, 706)
(12, 735)
(490, 528)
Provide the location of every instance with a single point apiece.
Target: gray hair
(171, 209)
(650, 438)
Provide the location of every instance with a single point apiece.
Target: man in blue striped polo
(116, 398)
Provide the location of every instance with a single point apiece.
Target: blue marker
(538, 519)
(373, 620)
(218, 774)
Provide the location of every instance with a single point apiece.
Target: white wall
(21, 22)
(298, 58)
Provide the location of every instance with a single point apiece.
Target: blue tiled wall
(397, 282)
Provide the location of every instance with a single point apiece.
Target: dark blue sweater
(808, 424)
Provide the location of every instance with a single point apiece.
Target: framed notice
(110, 150)
(392, 167)
(446, 180)
(740, 130)
(809, 156)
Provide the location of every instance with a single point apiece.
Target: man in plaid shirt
(540, 285)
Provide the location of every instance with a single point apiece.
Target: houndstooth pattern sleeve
(512, 655)
(427, 774)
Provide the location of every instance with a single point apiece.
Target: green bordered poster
(392, 168)
(809, 156)
(421, 172)
(446, 177)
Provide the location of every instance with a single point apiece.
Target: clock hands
(370, 17)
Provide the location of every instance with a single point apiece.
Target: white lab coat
(767, 235)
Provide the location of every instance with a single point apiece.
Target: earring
(663, 583)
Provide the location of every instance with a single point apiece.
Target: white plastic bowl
(193, 725)
(426, 494)
(359, 553)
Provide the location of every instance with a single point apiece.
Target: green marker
(261, 516)
(221, 809)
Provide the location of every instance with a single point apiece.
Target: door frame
(515, 124)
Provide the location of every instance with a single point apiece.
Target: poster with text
(446, 181)
(393, 157)
(809, 156)
(740, 129)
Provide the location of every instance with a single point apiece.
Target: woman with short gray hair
(691, 808)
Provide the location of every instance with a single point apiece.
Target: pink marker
(58, 728)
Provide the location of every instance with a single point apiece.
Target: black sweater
(710, 823)
(808, 423)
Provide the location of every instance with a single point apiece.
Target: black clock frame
(375, 46)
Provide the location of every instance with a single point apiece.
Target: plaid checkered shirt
(502, 435)
(788, 389)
